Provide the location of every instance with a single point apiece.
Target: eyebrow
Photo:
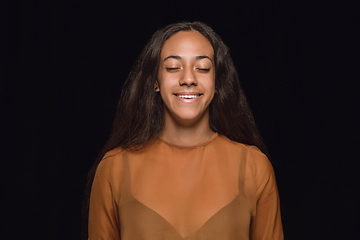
(177, 57)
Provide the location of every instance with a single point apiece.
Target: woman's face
(186, 77)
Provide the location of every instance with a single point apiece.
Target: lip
(188, 100)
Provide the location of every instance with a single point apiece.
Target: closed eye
(203, 70)
(172, 69)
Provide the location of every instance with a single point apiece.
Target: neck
(186, 134)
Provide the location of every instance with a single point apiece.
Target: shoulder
(253, 153)
(256, 160)
(228, 145)
(111, 164)
(262, 171)
(259, 162)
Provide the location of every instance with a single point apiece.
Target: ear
(156, 87)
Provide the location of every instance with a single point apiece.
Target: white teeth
(188, 96)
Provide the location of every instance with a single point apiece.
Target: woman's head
(140, 110)
(186, 79)
(140, 113)
(148, 62)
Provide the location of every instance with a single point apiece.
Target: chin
(188, 115)
(189, 118)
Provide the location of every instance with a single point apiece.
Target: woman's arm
(103, 210)
(266, 223)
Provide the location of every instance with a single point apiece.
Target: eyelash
(172, 69)
(199, 69)
(204, 69)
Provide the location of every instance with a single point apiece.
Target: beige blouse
(219, 189)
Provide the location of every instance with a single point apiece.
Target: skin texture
(186, 68)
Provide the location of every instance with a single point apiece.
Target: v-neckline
(201, 227)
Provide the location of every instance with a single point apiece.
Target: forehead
(187, 43)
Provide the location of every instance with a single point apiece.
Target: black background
(64, 64)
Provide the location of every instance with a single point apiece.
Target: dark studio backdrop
(63, 65)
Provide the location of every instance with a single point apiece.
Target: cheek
(167, 82)
(211, 84)
(165, 90)
(163, 96)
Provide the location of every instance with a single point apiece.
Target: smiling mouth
(188, 96)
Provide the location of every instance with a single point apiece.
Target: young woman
(185, 159)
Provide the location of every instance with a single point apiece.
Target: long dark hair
(140, 114)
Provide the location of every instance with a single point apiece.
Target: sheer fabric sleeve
(103, 211)
(266, 223)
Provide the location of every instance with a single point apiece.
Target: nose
(188, 77)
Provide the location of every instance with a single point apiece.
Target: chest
(185, 198)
